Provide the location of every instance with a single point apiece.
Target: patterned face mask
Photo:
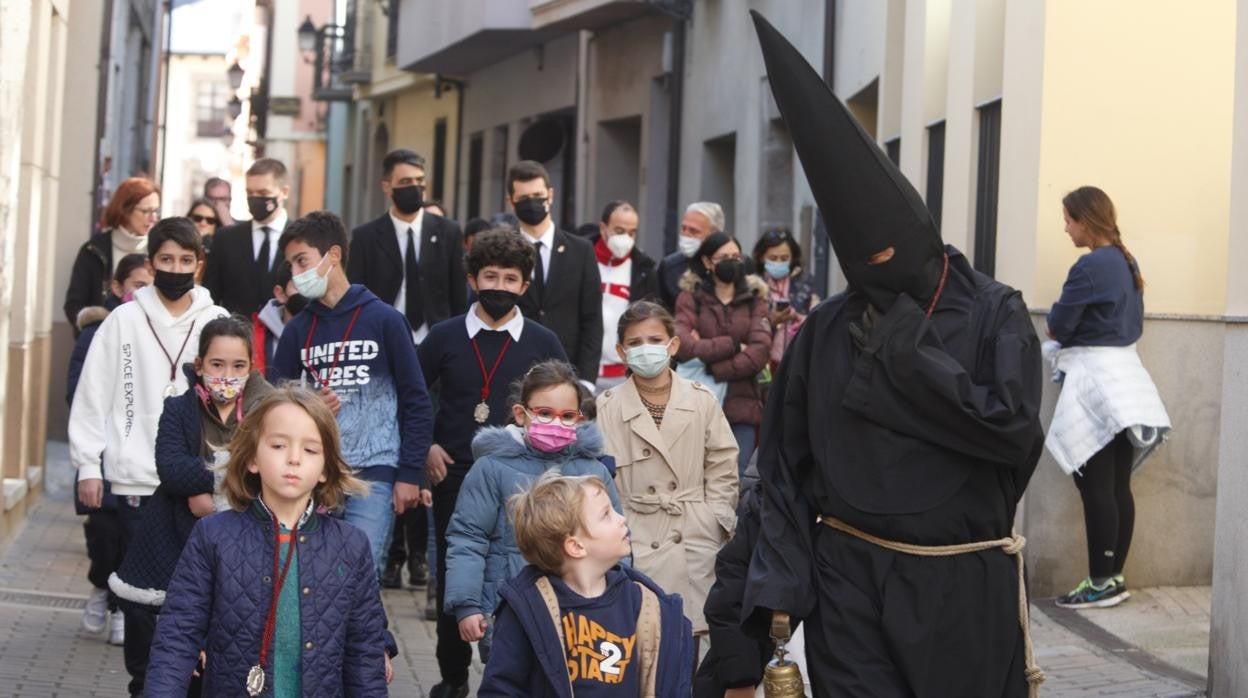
(224, 390)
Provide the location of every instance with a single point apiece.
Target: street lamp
(235, 107)
(307, 35)
(330, 55)
(235, 73)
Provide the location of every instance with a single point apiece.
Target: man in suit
(565, 294)
(239, 273)
(409, 257)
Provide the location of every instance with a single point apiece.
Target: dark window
(476, 154)
(439, 157)
(210, 101)
(392, 30)
(935, 169)
(893, 149)
(986, 189)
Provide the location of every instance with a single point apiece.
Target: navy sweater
(386, 418)
(451, 366)
(1100, 305)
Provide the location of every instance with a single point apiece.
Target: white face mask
(312, 285)
(688, 246)
(620, 245)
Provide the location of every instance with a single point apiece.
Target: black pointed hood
(867, 204)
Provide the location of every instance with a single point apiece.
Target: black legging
(1108, 507)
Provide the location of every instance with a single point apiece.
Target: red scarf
(604, 254)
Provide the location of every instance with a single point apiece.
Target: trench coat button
(267, 579)
(645, 452)
(307, 590)
(672, 486)
(678, 537)
(303, 539)
(650, 489)
(307, 645)
(655, 545)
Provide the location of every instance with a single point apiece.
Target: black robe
(927, 435)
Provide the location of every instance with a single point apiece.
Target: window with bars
(210, 102)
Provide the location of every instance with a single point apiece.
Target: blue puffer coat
(221, 591)
(481, 551)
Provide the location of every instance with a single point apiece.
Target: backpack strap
(649, 637)
(552, 605)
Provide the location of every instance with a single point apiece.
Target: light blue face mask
(777, 270)
(312, 285)
(648, 360)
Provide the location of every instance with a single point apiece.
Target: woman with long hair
(1097, 321)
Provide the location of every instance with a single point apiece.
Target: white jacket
(124, 383)
(1105, 390)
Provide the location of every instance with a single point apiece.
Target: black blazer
(376, 261)
(571, 306)
(230, 275)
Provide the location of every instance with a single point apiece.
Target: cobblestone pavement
(43, 652)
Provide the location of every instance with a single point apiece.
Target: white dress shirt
(475, 324)
(400, 232)
(547, 238)
(276, 226)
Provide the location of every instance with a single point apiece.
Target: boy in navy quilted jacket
(575, 621)
(280, 597)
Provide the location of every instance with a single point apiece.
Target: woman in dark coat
(132, 211)
(721, 319)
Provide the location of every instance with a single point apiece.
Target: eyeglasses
(725, 258)
(203, 219)
(149, 212)
(547, 415)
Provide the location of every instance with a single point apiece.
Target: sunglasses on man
(203, 219)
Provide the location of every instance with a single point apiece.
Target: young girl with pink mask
(551, 432)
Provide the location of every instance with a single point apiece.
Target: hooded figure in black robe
(908, 408)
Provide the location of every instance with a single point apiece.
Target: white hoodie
(122, 392)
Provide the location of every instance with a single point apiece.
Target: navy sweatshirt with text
(362, 349)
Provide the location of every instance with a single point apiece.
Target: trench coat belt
(1012, 546)
(653, 503)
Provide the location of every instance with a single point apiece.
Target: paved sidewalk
(44, 653)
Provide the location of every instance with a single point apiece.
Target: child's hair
(475, 226)
(225, 326)
(319, 229)
(550, 374)
(641, 311)
(127, 265)
(180, 230)
(243, 487)
(547, 513)
(501, 247)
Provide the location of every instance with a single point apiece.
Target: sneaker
(95, 614)
(117, 633)
(449, 690)
(1088, 595)
(392, 578)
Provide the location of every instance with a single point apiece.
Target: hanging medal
(482, 411)
(172, 388)
(255, 677)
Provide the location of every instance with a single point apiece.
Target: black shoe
(418, 576)
(392, 578)
(447, 690)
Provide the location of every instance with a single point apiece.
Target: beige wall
(1144, 112)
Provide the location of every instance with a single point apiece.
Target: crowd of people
(614, 475)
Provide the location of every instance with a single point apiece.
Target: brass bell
(782, 678)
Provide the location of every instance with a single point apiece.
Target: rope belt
(1012, 546)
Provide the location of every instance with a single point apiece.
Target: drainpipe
(101, 110)
(819, 238)
(164, 91)
(680, 16)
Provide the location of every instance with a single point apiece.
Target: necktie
(262, 258)
(539, 273)
(411, 274)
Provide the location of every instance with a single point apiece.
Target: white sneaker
(117, 633)
(95, 615)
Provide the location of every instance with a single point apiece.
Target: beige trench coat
(678, 485)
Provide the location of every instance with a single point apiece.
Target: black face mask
(261, 207)
(294, 304)
(173, 286)
(728, 270)
(496, 302)
(531, 211)
(408, 199)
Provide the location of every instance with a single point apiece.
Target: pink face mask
(127, 297)
(551, 438)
